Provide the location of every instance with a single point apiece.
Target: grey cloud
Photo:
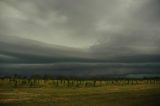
(137, 31)
(79, 22)
(81, 69)
(20, 50)
(149, 12)
(25, 50)
(129, 43)
(80, 31)
(30, 17)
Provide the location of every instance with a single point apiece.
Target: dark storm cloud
(81, 69)
(28, 57)
(19, 50)
(91, 33)
(15, 49)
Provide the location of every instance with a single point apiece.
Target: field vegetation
(18, 91)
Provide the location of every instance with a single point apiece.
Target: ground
(113, 95)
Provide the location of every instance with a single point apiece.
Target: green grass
(111, 95)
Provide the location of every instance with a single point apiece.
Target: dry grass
(112, 95)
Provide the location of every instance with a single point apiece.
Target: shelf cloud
(80, 36)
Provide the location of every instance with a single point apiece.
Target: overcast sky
(42, 31)
(82, 23)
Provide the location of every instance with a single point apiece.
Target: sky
(84, 37)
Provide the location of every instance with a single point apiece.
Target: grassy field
(110, 94)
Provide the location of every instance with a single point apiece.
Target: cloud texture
(83, 35)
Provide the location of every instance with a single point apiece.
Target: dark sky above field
(89, 36)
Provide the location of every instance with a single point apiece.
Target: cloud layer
(80, 34)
